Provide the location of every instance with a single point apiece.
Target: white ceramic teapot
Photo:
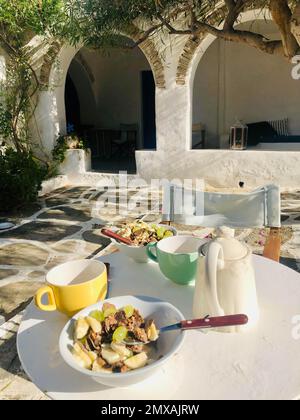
(225, 283)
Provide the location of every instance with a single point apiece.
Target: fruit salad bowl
(165, 347)
(138, 253)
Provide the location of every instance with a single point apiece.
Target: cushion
(281, 139)
(258, 131)
(281, 126)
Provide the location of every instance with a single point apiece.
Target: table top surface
(263, 363)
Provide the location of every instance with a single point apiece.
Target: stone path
(66, 226)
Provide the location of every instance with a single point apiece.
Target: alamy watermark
(296, 68)
(124, 195)
(296, 327)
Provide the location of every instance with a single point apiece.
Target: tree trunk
(296, 23)
(282, 16)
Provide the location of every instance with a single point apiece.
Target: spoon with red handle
(206, 323)
(201, 324)
(114, 235)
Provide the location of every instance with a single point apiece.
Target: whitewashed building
(205, 84)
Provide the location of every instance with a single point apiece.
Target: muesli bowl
(138, 252)
(168, 343)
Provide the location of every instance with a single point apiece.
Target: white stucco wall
(234, 80)
(76, 162)
(116, 88)
(225, 168)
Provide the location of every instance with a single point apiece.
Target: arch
(83, 79)
(195, 49)
(193, 53)
(236, 81)
(147, 47)
(47, 63)
(52, 62)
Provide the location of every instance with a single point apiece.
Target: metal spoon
(199, 324)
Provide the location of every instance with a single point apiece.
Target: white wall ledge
(223, 168)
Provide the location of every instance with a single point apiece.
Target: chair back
(198, 136)
(260, 208)
(129, 132)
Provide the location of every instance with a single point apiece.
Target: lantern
(238, 136)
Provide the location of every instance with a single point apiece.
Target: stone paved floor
(66, 226)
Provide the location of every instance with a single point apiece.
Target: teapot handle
(214, 261)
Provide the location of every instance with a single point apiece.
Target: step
(98, 179)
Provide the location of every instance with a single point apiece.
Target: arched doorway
(235, 81)
(116, 95)
(80, 103)
(73, 111)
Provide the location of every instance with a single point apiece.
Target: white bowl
(138, 253)
(168, 344)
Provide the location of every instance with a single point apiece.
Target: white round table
(261, 364)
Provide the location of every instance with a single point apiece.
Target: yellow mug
(73, 286)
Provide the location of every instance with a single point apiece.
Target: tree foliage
(99, 20)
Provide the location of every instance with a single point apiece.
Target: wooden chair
(257, 209)
(198, 136)
(126, 144)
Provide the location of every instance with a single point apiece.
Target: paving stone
(14, 295)
(55, 201)
(291, 196)
(18, 215)
(42, 231)
(22, 255)
(94, 236)
(77, 247)
(290, 262)
(57, 260)
(74, 213)
(18, 388)
(91, 247)
(36, 275)
(68, 247)
(95, 195)
(4, 274)
(61, 197)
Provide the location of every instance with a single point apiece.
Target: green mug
(177, 257)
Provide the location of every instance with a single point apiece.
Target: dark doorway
(148, 111)
(72, 106)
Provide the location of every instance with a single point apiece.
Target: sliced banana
(152, 332)
(98, 367)
(94, 324)
(80, 355)
(81, 328)
(110, 356)
(137, 361)
(93, 356)
(80, 361)
(121, 349)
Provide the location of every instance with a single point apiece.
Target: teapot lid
(232, 248)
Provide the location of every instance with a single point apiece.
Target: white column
(173, 119)
(173, 122)
(45, 125)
